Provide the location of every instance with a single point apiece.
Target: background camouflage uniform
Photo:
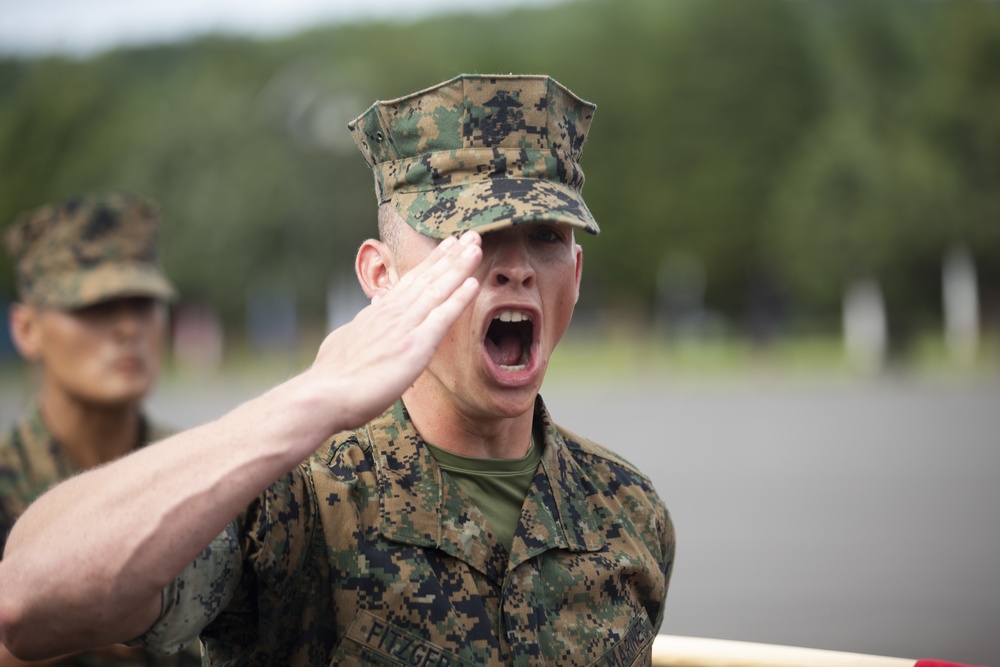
(31, 461)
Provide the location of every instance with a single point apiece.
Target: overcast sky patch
(73, 27)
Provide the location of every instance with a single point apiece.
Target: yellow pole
(676, 651)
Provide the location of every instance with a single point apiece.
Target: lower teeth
(520, 367)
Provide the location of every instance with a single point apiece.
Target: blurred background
(791, 318)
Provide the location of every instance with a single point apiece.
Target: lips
(509, 340)
(129, 363)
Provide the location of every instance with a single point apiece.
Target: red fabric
(941, 663)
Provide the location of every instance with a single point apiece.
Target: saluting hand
(389, 343)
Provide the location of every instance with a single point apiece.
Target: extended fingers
(439, 274)
(438, 320)
(448, 255)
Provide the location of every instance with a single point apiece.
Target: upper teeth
(512, 316)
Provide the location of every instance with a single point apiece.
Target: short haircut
(389, 222)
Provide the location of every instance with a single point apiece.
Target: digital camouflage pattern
(31, 461)
(196, 595)
(88, 249)
(480, 151)
(368, 554)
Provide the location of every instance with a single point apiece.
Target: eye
(141, 306)
(101, 309)
(548, 234)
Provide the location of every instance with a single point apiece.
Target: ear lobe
(374, 267)
(24, 331)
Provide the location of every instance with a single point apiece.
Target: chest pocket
(634, 648)
(374, 641)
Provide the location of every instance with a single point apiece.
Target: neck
(450, 428)
(91, 434)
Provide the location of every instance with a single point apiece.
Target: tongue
(506, 351)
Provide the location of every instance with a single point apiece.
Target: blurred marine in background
(408, 499)
(91, 319)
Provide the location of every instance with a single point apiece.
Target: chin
(121, 397)
(511, 403)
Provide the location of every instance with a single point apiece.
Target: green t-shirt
(497, 486)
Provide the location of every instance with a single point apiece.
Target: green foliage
(804, 143)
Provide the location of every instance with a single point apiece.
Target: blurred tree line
(776, 150)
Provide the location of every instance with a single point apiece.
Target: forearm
(108, 654)
(86, 563)
(7, 660)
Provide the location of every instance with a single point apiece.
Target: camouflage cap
(86, 250)
(480, 151)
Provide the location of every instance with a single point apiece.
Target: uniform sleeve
(196, 596)
(9, 476)
(6, 523)
(275, 534)
(669, 541)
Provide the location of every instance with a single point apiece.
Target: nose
(510, 264)
(126, 323)
(129, 318)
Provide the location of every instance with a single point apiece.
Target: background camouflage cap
(86, 250)
(480, 151)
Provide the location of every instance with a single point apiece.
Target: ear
(375, 268)
(25, 331)
(579, 271)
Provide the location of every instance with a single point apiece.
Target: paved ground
(852, 518)
(856, 517)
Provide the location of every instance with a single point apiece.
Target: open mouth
(508, 340)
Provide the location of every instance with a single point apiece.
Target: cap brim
(81, 288)
(493, 204)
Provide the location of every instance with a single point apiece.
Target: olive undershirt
(498, 487)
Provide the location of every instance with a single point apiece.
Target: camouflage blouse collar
(47, 457)
(45, 460)
(417, 508)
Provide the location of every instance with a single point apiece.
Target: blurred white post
(961, 305)
(865, 328)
